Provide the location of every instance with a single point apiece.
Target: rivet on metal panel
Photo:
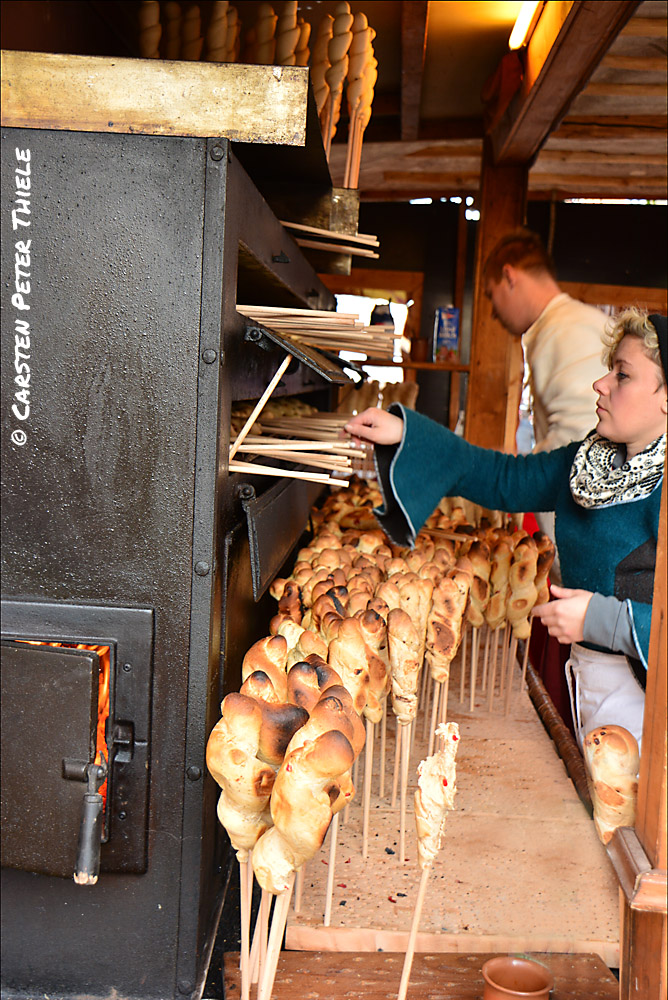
(202, 568)
(127, 667)
(122, 815)
(217, 152)
(194, 773)
(209, 356)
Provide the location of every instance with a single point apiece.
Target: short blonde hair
(633, 322)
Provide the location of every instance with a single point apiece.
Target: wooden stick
(405, 753)
(475, 640)
(444, 699)
(299, 887)
(245, 929)
(368, 772)
(434, 716)
(383, 746)
(429, 691)
(266, 470)
(410, 947)
(397, 763)
(354, 251)
(259, 406)
(512, 659)
(525, 659)
(259, 946)
(331, 463)
(462, 660)
(333, 837)
(504, 661)
(353, 238)
(492, 679)
(281, 907)
(485, 662)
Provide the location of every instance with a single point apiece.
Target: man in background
(561, 337)
(562, 341)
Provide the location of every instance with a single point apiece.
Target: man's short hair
(523, 250)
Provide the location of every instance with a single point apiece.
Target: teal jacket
(609, 551)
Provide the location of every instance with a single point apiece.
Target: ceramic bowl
(507, 978)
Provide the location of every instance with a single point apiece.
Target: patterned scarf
(595, 482)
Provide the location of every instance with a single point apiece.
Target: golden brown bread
(404, 653)
(612, 759)
(301, 807)
(374, 634)
(523, 593)
(245, 782)
(258, 685)
(348, 657)
(495, 612)
(270, 655)
(444, 626)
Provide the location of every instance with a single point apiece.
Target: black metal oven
(126, 541)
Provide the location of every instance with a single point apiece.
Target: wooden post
(458, 302)
(643, 925)
(495, 379)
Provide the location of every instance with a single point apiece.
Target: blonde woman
(605, 492)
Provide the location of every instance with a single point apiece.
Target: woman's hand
(564, 618)
(377, 426)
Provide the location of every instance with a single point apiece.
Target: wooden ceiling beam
(645, 64)
(612, 127)
(646, 27)
(567, 45)
(414, 18)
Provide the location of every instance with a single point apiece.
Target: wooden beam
(638, 90)
(643, 970)
(458, 302)
(612, 127)
(652, 299)
(154, 96)
(414, 18)
(646, 27)
(496, 368)
(645, 64)
(567, 45)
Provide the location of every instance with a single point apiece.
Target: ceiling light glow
(523, 24)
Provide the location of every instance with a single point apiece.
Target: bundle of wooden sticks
(332, 331)
(357, 618)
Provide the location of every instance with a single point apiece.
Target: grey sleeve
(608, 623)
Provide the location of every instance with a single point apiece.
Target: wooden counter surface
(361, 976)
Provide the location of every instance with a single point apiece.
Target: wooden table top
(441, 976)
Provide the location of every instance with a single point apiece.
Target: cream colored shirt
(563, 349)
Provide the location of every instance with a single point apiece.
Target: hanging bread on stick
(150, 29)
(191, 34)
(404, 653)
(444, 625)
(546, 554)
(320, 62)
(245, 781)
(271, 656)
(348, 657)
(435, 794)
(265, 34)
(495, 612)
(612, 759)
(523, 593)
(288, 34)
(215, 40)
(337, 53)
(301, 809)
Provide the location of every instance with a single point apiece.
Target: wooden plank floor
(363, 976)
(521, 868)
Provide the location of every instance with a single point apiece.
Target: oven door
(49, 725)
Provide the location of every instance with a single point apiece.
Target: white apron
(604, 691)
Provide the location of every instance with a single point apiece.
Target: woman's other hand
(377, 426)
(564, 617)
